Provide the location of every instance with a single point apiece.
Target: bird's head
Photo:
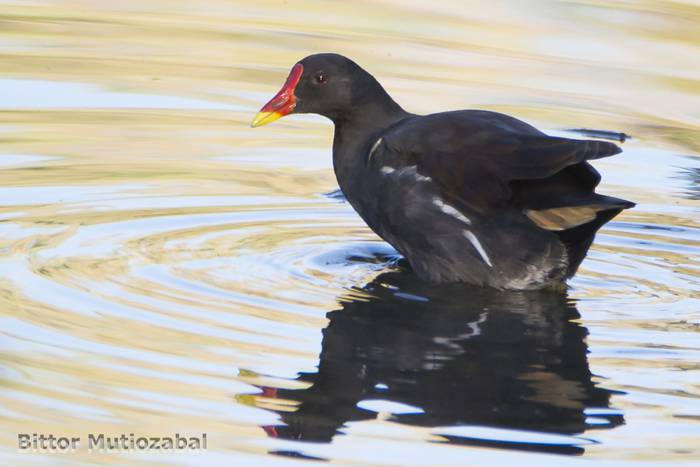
(326, 84)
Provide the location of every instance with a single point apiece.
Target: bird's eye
(320, 78)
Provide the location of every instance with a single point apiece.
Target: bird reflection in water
(464, 357)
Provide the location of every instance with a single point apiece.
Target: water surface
(164, 268)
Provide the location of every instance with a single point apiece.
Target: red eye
(320, 78)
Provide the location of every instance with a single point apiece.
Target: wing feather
(475, 155)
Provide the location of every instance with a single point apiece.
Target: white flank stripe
(477, 244)
(387, 170)
(447, 209)
(374, 148)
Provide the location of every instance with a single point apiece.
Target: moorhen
(465, 196)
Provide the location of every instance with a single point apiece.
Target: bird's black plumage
(466, 196)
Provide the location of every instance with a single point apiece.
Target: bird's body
(465, 196)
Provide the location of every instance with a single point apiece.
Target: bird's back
(481, 197)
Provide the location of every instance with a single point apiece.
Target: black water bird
(465, 196)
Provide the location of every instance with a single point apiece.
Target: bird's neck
(354, 136)
(355, 133)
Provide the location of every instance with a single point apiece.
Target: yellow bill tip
(263, 118)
